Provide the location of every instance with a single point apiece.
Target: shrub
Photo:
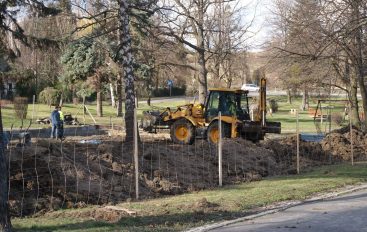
(273, 105)
(21, 107)
(25, 85)
(337, 118)
(49, 96)
(165, 92)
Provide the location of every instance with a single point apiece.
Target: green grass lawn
(42, 110)
(180, 212)
(307, 124)
(306, 121)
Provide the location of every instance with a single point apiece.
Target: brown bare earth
(338, 143)
(49, 175)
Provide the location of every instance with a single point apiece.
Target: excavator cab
(230, 103)
(234, 109)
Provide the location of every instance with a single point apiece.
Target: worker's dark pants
(57, 130)
(60, 130)
(54, 130)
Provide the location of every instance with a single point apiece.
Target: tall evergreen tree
(9, 25)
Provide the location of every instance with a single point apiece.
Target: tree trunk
(99, 103)
(113, 101)
(203, 89)
(84, 110)
(61, 99)
(359, 54)
(119, 96)
(99, 96)
(289, 96)
(203, 85)
(127, 64)
(229, 78)
(354, 101)
(5, 224)
(304, 99)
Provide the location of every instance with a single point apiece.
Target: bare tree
(226, 41)
(185, 20)
(335, 38)
(191, 23)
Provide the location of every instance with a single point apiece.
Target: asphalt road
(191, 99)
(345, 213)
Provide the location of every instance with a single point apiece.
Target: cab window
(213, 105)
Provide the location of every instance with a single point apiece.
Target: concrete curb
(287, 205)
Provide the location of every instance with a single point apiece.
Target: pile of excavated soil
(48, 175)
(338, 143)
(285, 150)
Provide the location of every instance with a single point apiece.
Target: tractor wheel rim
(181, 132)
(214, 135)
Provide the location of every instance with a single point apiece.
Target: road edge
(287, 205)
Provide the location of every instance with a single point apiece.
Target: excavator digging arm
(262, 102)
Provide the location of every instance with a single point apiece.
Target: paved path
(345, 213)
(191, 99)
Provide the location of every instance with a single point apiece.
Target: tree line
(322, 44)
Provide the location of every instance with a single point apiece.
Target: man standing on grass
(56, 122)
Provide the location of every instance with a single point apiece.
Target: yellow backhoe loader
(192, 121)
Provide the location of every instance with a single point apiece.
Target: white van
(250, 87)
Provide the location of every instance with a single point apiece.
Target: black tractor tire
(182, 131)
(213, 132)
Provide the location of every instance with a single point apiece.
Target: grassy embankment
(177, 213)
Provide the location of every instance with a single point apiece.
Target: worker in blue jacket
(56, 123)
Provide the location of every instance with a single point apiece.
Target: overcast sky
(261, 9)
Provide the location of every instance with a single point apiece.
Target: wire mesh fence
(95, 165)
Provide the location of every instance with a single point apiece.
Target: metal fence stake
(33, 102)
(136, 161)
(220, 151)
(297, 128)
(351, 135)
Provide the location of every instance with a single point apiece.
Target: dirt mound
(111, 214)
(285, 154)
(171, 168)
(338, 143)
(250, 161)
(49, 175)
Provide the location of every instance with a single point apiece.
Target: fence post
(220, 151)
(84, 110)
(297, 131)
(351, 135)
(136, 163)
